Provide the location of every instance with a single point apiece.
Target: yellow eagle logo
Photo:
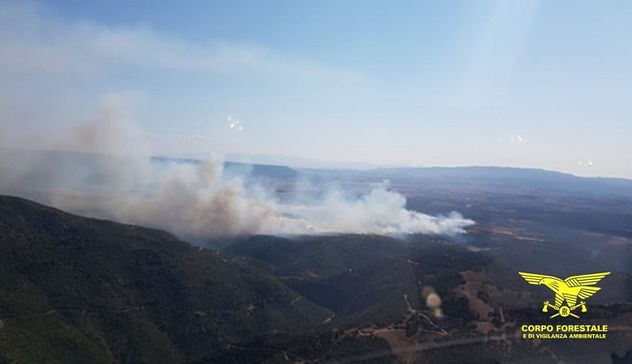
(567, 291)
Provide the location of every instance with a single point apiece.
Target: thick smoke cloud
(118, 180)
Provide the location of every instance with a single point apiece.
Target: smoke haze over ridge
(118, 180)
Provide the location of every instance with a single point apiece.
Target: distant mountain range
(238, 168)
(17, 158)
(526, 177)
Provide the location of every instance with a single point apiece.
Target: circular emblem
(564, 311)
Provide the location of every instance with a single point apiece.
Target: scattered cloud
(33, 39)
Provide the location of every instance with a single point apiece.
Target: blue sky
(518, 83)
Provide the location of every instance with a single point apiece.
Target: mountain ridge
(75, 289)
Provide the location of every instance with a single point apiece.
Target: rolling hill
(77, 290)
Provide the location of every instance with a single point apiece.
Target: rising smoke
(114, 177)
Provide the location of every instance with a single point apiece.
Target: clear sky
(542, 84)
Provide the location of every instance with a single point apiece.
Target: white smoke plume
(119, 181)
